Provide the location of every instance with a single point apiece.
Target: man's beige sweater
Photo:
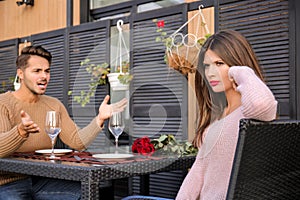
(11, 141)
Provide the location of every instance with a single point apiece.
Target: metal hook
(203, 18)
(120, 24)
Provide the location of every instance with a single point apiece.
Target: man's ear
(20, 74)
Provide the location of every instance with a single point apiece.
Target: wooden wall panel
(21, 21)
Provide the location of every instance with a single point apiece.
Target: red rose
(143, 146)
(160, 24)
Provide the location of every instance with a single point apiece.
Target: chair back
(267, 161)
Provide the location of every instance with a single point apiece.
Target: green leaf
(162, 138)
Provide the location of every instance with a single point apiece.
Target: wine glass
(116, 126)
(52, 128)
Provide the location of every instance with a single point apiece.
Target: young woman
(229, 86)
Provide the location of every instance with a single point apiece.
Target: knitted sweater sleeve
(258, 102)
(10, 139)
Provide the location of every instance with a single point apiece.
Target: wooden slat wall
(8, 52)
(265, 24)
(154, 84)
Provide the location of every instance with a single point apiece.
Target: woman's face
(216, 72)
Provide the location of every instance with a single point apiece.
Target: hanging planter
(115, 83)
(119, 78)
(117, 73)
(17, 83)
(183, 58)
(182, 50)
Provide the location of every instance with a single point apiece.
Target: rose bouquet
(143, 146)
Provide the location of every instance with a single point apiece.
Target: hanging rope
(121, 44)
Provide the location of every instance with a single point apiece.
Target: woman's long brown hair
(234, 49)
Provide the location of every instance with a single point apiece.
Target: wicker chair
(267, 161)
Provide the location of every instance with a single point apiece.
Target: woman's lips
(214, 83)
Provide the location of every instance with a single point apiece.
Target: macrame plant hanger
(122, 55)
(120, 45)
(182, 53)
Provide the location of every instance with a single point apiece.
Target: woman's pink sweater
(209, 176)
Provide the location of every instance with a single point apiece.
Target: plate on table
(113, 155)
(56, 151)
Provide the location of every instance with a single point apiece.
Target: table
(90, 175)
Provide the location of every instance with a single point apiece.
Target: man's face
(36, 76)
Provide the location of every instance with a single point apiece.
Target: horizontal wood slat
(8, 55)
(265, 24)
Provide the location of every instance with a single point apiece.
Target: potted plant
(7, 85)
(120, 79)
(99, 74)
(98, 77)
(17, 83)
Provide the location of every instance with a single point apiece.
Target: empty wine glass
(116, 126)
(52, 128)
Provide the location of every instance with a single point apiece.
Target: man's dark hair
(28, 51)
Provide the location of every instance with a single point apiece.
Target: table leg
(89, 191)
(144, 184)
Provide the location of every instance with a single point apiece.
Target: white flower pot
(17, 83)
(115, 83)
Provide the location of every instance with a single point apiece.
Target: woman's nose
(210, 70)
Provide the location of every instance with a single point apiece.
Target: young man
(22, 119)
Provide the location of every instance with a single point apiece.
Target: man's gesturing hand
(27, 126)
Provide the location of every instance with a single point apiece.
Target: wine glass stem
(117, 145)
(52, 151)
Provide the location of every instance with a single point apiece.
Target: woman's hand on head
(236, 72)
(27, 126)
(106, 110)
